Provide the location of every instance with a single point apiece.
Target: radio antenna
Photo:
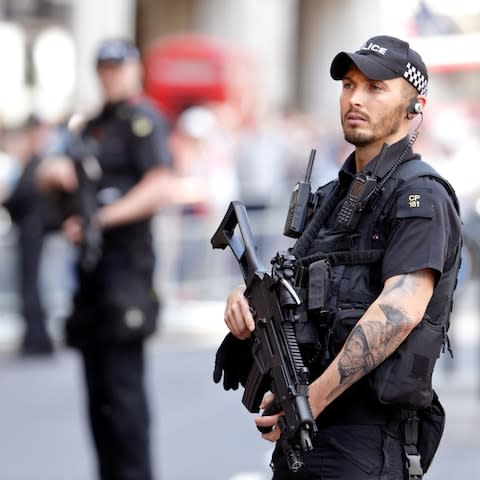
(310, 165)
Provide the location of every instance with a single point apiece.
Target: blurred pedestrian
(28, 212)
(262, 159)
(202, 145)
(204, 149)
(123, 152)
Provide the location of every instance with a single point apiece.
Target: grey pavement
(199, 431)
(196, 426)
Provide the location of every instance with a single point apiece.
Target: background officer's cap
(117, 51)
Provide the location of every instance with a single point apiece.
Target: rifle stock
(88, 171)
(243, 247)
(278, 365)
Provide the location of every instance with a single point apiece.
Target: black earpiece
(414, 107)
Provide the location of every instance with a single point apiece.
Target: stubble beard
(385, 126)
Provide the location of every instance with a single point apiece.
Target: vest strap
(409, 430)
(303, 243)
(354, 257)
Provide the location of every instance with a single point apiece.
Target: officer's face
(372, 111)
(119, 80)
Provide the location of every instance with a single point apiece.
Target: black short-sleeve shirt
(131, 139)
(149, 138)
(426, 229)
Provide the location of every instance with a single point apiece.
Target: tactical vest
(344, 278)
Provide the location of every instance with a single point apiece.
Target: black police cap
(384, 58)
(117, 51)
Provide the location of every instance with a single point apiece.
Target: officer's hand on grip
(268, 422)
(238, 317)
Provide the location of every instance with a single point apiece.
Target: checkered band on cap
(416, 78)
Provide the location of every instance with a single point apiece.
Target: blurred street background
(245, 85)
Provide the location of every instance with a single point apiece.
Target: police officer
(115, 308)
(28, 212)
(384, 242)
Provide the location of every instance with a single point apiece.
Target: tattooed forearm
(370, 342)
(384, 326)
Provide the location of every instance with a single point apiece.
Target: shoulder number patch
(415, 203)
(414, 200)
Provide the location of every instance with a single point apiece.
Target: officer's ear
(416, 106)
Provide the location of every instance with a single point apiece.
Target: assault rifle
(82, 152)
(278, 365)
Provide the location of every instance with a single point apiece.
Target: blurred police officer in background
(115, 307)
(24, 203)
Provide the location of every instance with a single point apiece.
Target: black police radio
(362, 189)
(300, 203)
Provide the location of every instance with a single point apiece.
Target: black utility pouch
(305, 331)
(343, 323)
(318, 284)
(405, 378)
(129, 307)
(430, 430)
(422, 432)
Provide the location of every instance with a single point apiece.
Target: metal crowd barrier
(187, 269)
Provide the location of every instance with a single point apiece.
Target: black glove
(234, 359)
